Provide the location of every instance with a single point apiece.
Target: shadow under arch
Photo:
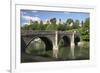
(23, 45)
(76, 40)
(47, 42)
(66, 41)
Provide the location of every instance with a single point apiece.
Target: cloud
(26, 23)
(31, 18)
(23, 13)
(36, 19)
(27, 19)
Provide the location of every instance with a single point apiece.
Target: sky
(37, 15)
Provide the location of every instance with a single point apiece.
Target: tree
(85, 30)
(86, 23)
(53, 21)
(41, 25)
(61, 27)
(82, 23)
(59, 21)
(69, 21)
(34, 25)
(25, 27)
(51, 27)
(76, 24)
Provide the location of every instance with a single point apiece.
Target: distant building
(47, 21)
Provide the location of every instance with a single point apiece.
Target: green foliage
(41, 26)
(69, 21)
(53, 21)
(36, 47)
(85, 44)
(61, 27)
(25, 27)
(67, 26)
(76, 24)
(51, 27)
(85, 30)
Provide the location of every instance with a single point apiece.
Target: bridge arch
(76, 40)
(23, 45)
(66, 41)
(46, 40)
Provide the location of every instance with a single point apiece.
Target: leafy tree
(69, 21)
(25, 27)
(51, 27)
(68, 24)
(86, 23)
(76, 24)
(47, 24)
(53, 21)
(84, 30)
(42, 25)
(59, 21)
(61, 27)
(82, 23)
(34, 25)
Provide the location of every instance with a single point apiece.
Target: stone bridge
(50, 38)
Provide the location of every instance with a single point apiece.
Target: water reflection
(36, 52)
(79, 53)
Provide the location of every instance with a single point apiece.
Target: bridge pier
(55, 51)
(55, 46)
(72, 45)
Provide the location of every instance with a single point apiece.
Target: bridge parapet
(37, 32)
(46, 32)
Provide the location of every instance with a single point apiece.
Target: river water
(39, 54)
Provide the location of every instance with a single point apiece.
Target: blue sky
(37, 15)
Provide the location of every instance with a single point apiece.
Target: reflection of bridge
(50, 38)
